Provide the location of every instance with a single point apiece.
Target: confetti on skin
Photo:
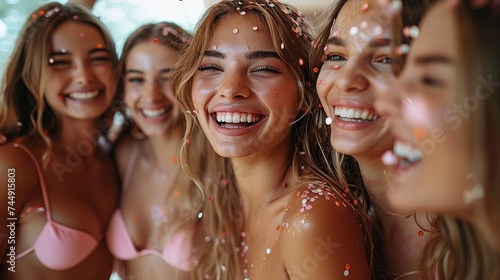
(403, 49)
(155, 40)
(255, 28)
(235, 30)
(301, 62)
(414, 32)
(389, 159)
(278, 227)
(282, 46)
(174, 159)
(354, 30)
(365, 7)
(51, 60)
(346, 273)
(243, 13)
(420, 233)
(211, 198)
(99, 46)
(315, 70)
(268, 251)
(420, 132)
(200, 215)
(214, 48)
(336, 67)
(328, 121)
(223, 268)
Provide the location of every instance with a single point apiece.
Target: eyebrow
(335, 41)
(434, 58)
(92, 51)
(376, 42)
(251, 55)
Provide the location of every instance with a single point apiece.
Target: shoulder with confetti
(321, 236)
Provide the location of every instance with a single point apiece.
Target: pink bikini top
(57, 246)
(177, 251)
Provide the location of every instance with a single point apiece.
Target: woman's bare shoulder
(320, 230)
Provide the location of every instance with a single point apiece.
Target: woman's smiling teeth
(84, 95)
(150, 113)
(236, 117)
(350, 114)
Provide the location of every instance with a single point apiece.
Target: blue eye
(385, 60)
(334, 57)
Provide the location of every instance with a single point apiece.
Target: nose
(83, 73)
(234, 86)
(351, 79)
(152, 90)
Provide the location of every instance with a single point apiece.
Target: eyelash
(381, 60)
(208, 67)
(337, 57)
(266, 69)
(430, 81)
(135, 80)
(60, 63)
(334, 57)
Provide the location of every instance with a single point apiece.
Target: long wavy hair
(459, 249)
(23, 110)
(222, 212)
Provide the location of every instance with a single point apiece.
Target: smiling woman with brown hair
(269, 213)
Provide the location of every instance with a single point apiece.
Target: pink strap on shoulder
(40, 178)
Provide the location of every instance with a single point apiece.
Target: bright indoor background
(123, 16)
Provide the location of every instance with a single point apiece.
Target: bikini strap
(40, 178)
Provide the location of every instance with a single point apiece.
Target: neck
(78, 136)
(261, 179)
(401, 234)
(166, 146)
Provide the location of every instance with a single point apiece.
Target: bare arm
(16, 176)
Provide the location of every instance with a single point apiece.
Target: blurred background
(123, 16)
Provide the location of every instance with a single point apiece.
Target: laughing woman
(353, 56)
(151, 233)
(57, 85)
(445, 119)
(245, 83)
